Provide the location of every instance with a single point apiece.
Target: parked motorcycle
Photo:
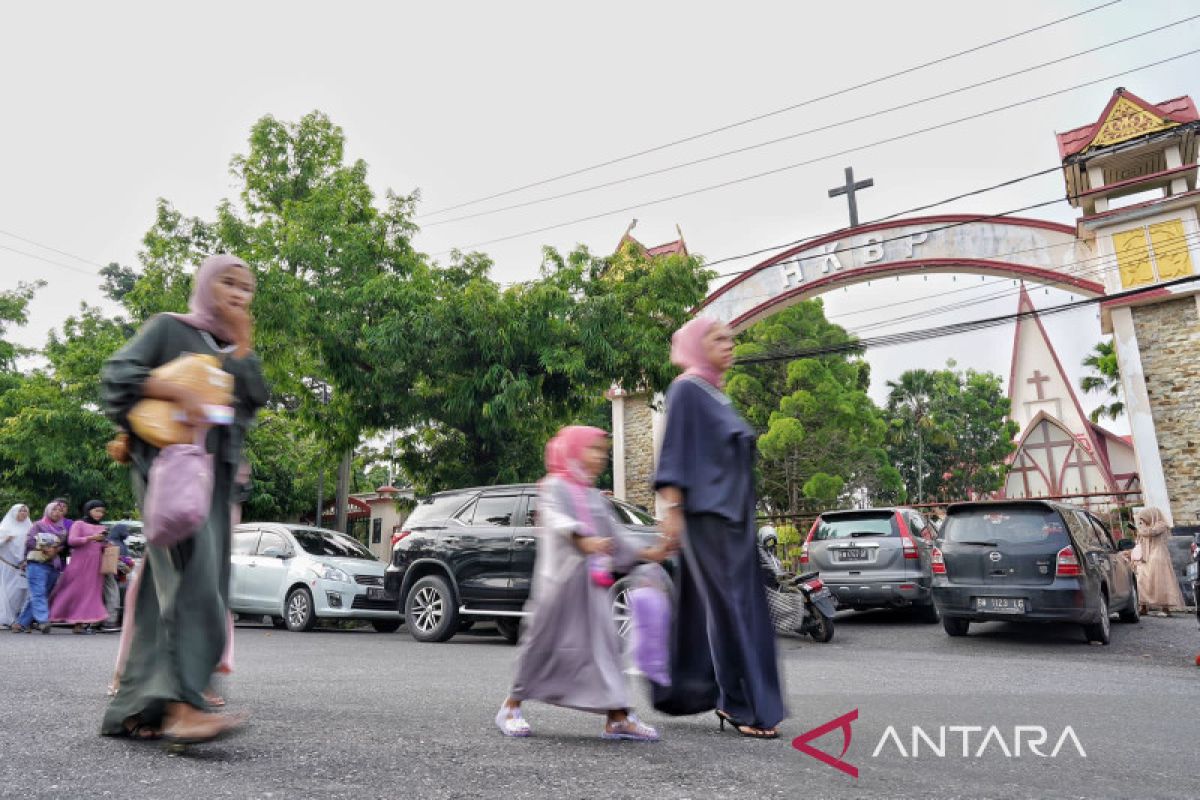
(1193, 573)
(799, 604)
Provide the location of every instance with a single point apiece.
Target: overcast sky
(110, 106)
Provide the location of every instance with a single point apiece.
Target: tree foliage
(820, 435)
(360, 333)
(949, 433)
(1104, 377)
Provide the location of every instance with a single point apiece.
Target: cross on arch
(849, 190)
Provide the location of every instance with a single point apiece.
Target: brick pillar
(634, 448)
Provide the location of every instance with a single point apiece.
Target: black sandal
(742, 729)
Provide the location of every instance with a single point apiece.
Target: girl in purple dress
(79, 596)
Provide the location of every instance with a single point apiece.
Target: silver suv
(874, 557)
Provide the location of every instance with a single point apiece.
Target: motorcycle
(1193, 574)
(798, 604)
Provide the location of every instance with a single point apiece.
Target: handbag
(162, 423)
(108, 560)
(650, 606)
(179, 494)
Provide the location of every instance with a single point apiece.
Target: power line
(776, 112)
(71, 267)
(827, 156)
(799, 134)
(53, 249)
(957, 328)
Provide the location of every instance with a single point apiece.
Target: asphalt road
(356, 714)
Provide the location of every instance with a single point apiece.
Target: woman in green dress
(179, 624)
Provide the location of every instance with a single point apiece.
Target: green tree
(821, 436)
(1104, 377)
(949, 433)
(508, 366)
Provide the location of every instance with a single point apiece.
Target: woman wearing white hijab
(14, 589)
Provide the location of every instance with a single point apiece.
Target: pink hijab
(687, 351)
(564, 453)
(202, 307)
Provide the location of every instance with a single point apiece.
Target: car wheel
(278, 622)
(956, 626)
(510, 628)
(621, 612)
(430, 611)
(1099, 631)
(928, 614)
(1131, 614)
(386, 625)
(299, 610)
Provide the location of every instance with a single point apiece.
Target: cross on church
(849, 189)
(1037, 380)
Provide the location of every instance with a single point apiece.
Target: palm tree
(1106, 378)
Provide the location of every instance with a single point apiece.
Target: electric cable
(827, 156)
(776, 112)
(799, 134)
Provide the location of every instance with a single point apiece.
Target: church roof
(1126, 116)
(1026, 396)
(677, 247)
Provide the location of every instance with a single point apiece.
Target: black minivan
(1031, 561)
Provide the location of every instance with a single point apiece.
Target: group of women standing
(38, 586)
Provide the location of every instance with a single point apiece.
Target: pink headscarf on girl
(564, 453)
(202, 307)
(687, 351)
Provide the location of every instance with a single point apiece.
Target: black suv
(467, 555)
(1031, 561)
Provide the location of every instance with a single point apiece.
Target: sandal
(213, 699)
(15, 628)
(630, 728)
(140, 731)
(743, 729)
(511, 723)
(206, 728)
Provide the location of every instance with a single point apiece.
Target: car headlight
(330, 573)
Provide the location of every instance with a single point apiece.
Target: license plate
(376, 593)
(1000, 605)
(853, 554)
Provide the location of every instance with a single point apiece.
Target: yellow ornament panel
(1170, 250)
(1127, 120)
(1133, 258)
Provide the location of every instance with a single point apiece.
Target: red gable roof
(1178, 109)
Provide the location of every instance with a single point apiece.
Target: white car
(297, 574)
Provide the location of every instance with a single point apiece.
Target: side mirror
(275, 552)
(1125, 544)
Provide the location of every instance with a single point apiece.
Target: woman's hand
(659, 553)
(594, 545)
(99, 537)
(673, 527)
(241, 326)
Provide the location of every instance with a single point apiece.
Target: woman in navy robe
(723, 644)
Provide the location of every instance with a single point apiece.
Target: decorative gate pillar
(1137, 147)
(637, 437)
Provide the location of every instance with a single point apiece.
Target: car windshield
(1005, 525)
(328, 543)
(435, 508)
(631, 515)
(864, 523)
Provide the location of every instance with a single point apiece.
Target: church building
(1060, 451)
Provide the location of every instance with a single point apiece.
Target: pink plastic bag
(650, 607)
(179, 493)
